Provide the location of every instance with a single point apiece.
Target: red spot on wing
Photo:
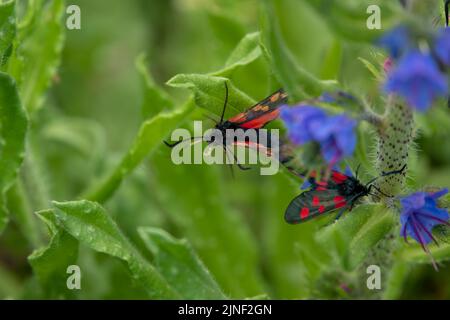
(238, 118)
(321, 185)
(304, 213)
(339, 202)
(338, 177)
(321, 209)
(259, 122)
(315, 201)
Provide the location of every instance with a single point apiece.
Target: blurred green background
(96, 105)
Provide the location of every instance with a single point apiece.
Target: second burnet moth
(255, 117)
(339, 191)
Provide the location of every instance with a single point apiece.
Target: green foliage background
(86, 180)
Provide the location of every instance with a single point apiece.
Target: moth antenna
(231, 164)
(225, 103)
(387, 173)
(357, 171)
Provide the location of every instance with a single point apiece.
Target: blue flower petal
(417, 79)
(420, 214)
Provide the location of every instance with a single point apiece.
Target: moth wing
(310, 204)
(261, 113)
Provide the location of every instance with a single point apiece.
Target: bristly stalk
(395, 135)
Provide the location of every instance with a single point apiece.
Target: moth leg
(340, 213)
(230, 165)
(240, 166)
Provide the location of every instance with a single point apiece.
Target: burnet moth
(339, 191)
(256, 117)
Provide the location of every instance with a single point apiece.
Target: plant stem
(395, 136)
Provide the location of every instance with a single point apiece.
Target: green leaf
(38, 52)
(7, 29)
(380, 223)
(88, 222)
(332, 61)
(202, 214)
(13, 128)
(373, 70)
(227, 29)
(154, 98)
(299, 83)
(209, 93)
(180, 265)
(348, 19)
(83, 135)
(149, 137)
(354, 235)
(396, 279)
(247, 51)
(51, 262)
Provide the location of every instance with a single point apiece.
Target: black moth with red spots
(256, 117)
(338, 192)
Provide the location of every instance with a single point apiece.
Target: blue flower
(442, 46)
(420, 214)
(301, 122)
(335, 134)
(417, 79)
(397, 41)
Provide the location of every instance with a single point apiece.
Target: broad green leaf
(7, 30)
(377, 227)
(247, 51)
(154, 98)
(177, 261)
(149, 137)
(83, 135)
(355, 234)
(202, 214)
(333, 61)
(13, 128)
(299, 83)
(50, 263)
(88, 223)
(227, 29)
(209, 93)
(348, 19)
(38, 52)
(294, 259)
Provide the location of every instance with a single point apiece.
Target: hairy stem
(395, 136)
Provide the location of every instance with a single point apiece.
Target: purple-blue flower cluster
(420, 78)
(420, 214)
(397, 41)
(335, 134)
